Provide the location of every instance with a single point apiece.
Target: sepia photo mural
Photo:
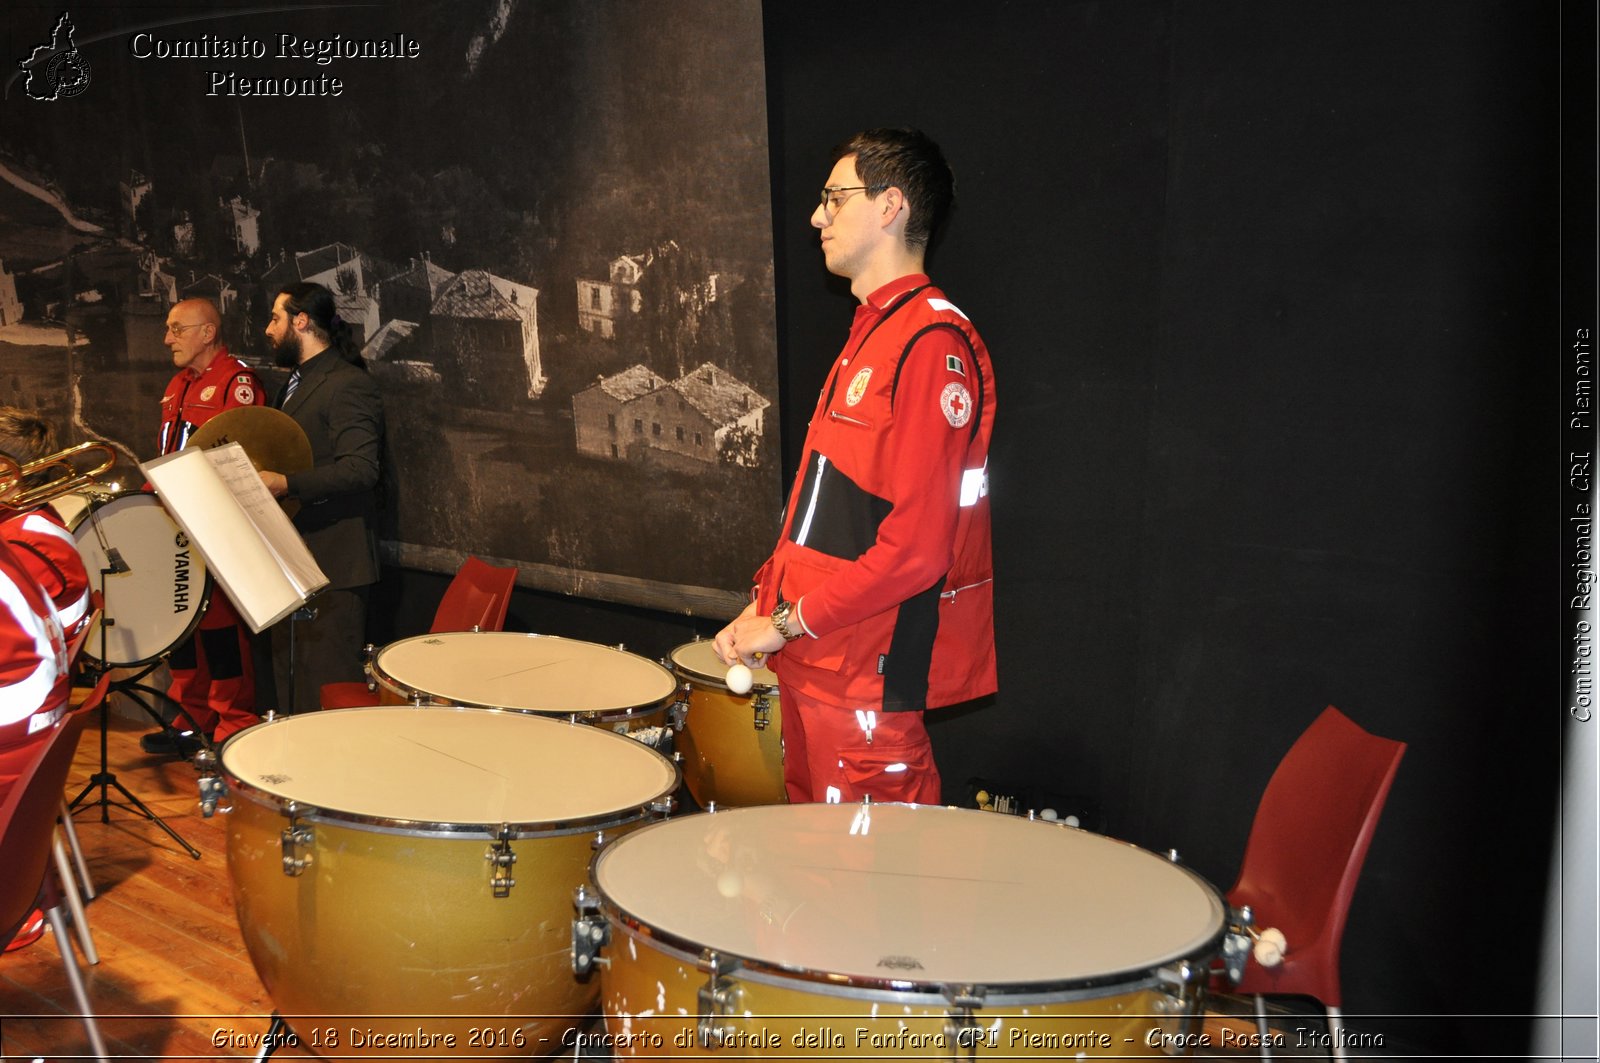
(547, 220)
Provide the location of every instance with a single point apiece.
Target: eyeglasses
(179, 330)
(834, 198)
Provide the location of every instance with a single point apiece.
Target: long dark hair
(316, 302)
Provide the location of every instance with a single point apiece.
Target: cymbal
(271, 438)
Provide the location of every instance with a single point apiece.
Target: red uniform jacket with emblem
(886, 536)
(191, 401)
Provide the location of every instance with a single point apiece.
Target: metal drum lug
(961, 1030)
(213, 788)
(591, 932)
(763, 707)
(369, 653)
(1236, 943)
(680, 706)
(501, 857)
(718, 999)
(296, 840)
(1178, 1009)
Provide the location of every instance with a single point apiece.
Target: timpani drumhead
(445, 769)
(522, 672)
(869, 894)
(699, 662)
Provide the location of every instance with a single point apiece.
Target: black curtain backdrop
(1271, 290)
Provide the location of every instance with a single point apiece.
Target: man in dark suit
(331, 396)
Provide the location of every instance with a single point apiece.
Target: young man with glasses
(877, 602)
(213, 678)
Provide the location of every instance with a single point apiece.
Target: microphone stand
(105, 778)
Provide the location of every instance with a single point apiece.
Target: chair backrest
(478, 596)
(28, 821)
(1309, 839)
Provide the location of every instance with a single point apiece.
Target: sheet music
(251, 546)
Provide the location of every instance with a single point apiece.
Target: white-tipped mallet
(740, 679)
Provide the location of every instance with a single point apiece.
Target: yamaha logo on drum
(180, 575)
(181, 541)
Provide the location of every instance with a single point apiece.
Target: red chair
(1307, 844)
(476, 600)
(27, 831)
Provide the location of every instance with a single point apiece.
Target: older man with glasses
(212, 675)
(877, 602)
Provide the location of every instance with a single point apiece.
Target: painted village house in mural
(700, 419)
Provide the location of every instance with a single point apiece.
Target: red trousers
(842, 755)
(213, 677)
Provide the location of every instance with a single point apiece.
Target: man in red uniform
(38, 538)
(877, 602)
(212, 674)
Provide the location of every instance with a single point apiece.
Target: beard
(286, 352)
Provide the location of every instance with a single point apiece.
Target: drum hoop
(91, 645)
(695, 677)
(904, 991)
(375, 824)
(612, 715)
(901, 990)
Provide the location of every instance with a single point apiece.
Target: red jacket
(34, 678)
(191, 401)
(886, 540)
(44, 547)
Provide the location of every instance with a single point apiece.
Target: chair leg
(77, 852)
(80, 992)
(1336, 1033)
(69, 887)
(1264, 1038)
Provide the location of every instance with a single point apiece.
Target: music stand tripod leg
(105, 778)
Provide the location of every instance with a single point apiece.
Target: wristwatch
(780, 620)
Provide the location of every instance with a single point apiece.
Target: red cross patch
(956, 402)
(243, 393)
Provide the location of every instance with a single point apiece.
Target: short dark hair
(909, 160)
(316, 302)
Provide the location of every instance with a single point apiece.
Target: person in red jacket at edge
(35, 685)
(213, 678)
(36, 535)
(877, 602)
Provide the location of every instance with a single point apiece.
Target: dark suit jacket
(341, 411)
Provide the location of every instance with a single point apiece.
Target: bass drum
(732, 744)
(162, 593)
(583, 682)
(372, 851)
(846, 931)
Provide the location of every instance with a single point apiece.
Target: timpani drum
(411, 871)
(159, 598)
(732, 744)
(583, 682)
(867, 930)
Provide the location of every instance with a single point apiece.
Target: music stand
(106, 779)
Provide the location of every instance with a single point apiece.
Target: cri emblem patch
(956, 402)
(858, 386)
(244, 395)
(205, 396)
